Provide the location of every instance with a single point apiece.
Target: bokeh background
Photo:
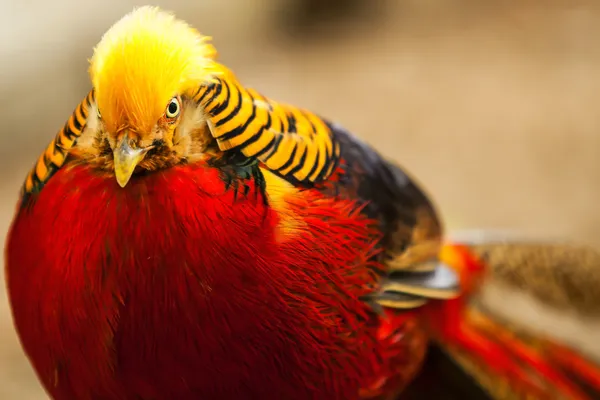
(493, 105)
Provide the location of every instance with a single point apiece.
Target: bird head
(141, 71)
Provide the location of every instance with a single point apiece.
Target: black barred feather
(55, 154)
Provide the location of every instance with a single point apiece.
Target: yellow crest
(143, 60)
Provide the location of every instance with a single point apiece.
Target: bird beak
(126, 158)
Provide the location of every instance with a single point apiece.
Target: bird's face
(131, 140)
(143, 71)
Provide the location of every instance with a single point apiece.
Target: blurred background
(492, 105)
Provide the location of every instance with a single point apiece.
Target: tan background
(492, 105)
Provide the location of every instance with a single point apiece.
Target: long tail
(520, 328)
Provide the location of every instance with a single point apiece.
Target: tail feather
(509, 360)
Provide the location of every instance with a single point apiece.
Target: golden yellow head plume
(142, 61)
(142, 64)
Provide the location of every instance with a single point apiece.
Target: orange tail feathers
(508, 362)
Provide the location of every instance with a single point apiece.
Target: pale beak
(126, 158)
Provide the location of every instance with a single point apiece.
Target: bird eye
(173, 108)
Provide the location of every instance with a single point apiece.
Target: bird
(183, 237)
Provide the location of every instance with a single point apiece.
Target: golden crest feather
(142, 61)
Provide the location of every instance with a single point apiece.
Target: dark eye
(173, 108)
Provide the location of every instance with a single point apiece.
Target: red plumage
(173, 288)
(184, 237)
